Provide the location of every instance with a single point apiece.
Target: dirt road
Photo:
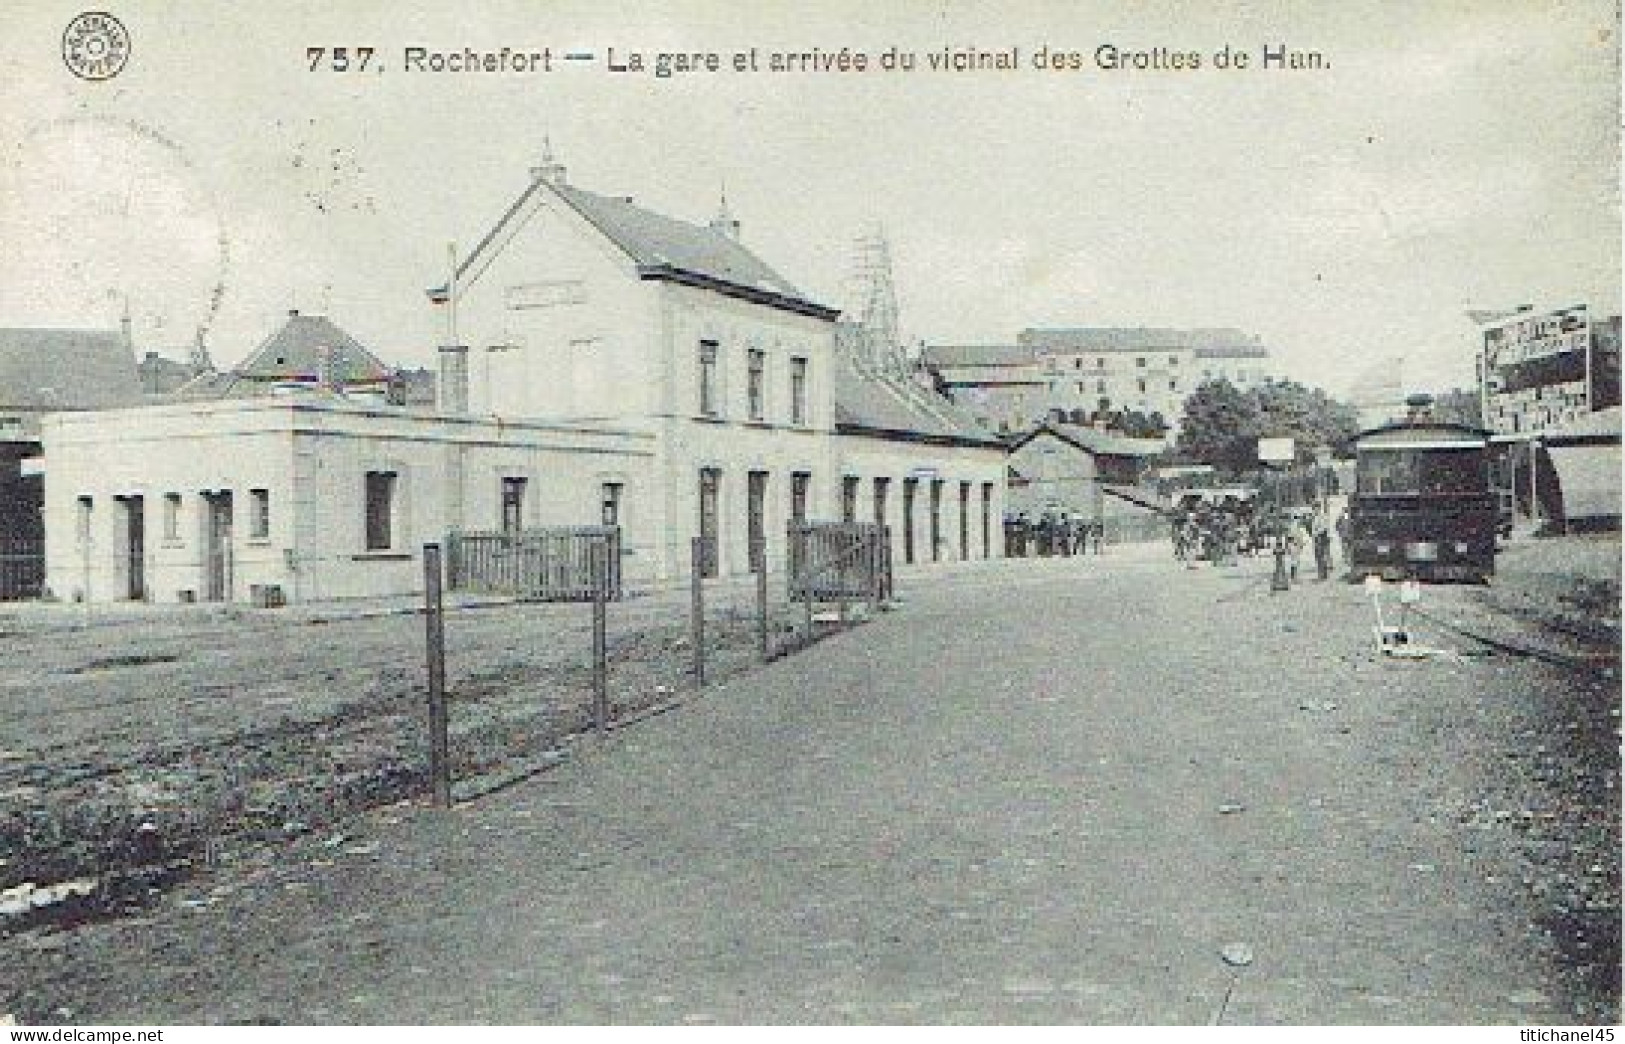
(1051, 791)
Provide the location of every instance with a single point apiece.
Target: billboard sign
(1535, 370)
(1276, 450)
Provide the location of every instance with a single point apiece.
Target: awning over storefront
(1589, 477)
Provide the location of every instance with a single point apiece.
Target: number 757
(340, 59)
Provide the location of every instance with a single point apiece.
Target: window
(612, 503)
(259, 514)
(756, 362)
(172, 517)
(799, 483)
(1100, 363)
(380, 509)
(1077, 363)
(86, 505)
(849, 498)
(708, 378)
(1142, 384)
(1140, 362)
(755, 525)
(1100, 386)
(1173, 360)
(882, 487)
(798, 390)
(513, 504)
(1173, 385)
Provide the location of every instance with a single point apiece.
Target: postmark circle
(95, 46)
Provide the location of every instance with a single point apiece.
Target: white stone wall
(312, 460)
(558, 324)
(868, 458)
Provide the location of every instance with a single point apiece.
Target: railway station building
(602, 363)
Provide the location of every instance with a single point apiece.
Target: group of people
(1220, 533)
(1056, 533)
(1204, 531)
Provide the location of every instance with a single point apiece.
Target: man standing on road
(1321, 534)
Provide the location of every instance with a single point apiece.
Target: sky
(1449, 156)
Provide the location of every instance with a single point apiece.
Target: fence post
(435, 635)
(804, 579)
(843, 548)
(697, 611)
(761, 601)
(600, 643)
(872, 567)
(891, 577)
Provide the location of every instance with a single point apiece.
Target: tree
(1307, 415)
(1222, 424)
(1219, 427)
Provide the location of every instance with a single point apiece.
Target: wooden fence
(554, 564)
(833, 561)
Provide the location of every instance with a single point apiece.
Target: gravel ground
(139, 746)
(1400, 842)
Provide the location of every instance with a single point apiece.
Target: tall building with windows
(1085, 370)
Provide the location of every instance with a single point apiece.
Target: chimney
(451, 391)
(550, 170)
(725, 222)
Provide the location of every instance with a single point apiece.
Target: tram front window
(1394, 471)
(1454, 471)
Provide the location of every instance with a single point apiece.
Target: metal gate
(22, 567)
(553, 564)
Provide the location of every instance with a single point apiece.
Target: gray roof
(161, 375)
(1217, 342)
(882, 404)
(937, 355)
(661, 247)
(294, 352)
(1093, 440)
(43, 370)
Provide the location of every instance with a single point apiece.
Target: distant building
(161, 375)
(46, 371)
(1001, 386)
(1086, 370)
(1378, 392)
(1083, 473)
(307, 352)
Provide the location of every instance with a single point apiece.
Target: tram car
(1423, 506)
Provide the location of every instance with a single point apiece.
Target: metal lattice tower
(876, 311)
